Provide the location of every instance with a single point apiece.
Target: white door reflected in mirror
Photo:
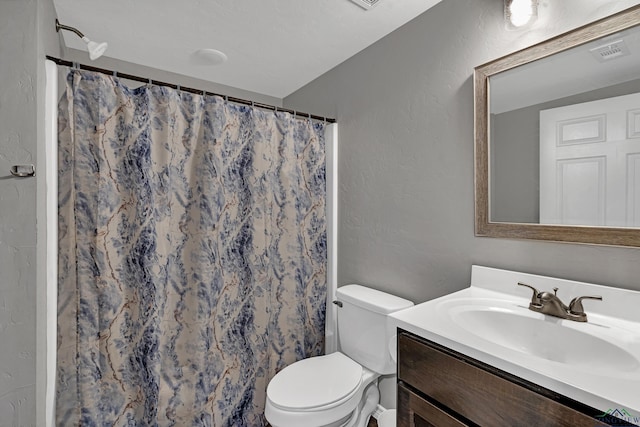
(590, 163)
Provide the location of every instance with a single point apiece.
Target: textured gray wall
(406, 161)
(24, 40)
(405, 112)
(18, 98)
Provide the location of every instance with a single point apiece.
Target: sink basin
(595, 362)
(549, 338)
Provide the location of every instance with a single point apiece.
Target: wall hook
(23, 171)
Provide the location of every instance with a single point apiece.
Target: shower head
(95, 49)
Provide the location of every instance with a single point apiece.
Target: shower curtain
(192, 263)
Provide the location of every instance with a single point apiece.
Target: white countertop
(604, 375)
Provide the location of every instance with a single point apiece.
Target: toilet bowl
(319, 391)
(339, 389)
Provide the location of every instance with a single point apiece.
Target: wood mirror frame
(559, 233)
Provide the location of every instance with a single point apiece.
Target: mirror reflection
(564, 137)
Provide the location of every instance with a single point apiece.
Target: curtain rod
(188, 89)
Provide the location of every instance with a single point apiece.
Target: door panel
(588, 162)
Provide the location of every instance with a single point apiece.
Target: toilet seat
(318, 382)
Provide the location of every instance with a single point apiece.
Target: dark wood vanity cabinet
(440, 387)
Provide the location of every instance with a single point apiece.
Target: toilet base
(366, 407)
(387, 418)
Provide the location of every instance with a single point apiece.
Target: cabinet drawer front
(422, 413)
(477, 394)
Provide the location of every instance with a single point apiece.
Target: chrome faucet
(549, 303)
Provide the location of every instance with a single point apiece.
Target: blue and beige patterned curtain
(192, 254)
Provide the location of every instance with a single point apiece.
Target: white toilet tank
(362, 326)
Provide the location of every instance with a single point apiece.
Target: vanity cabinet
(440, 387)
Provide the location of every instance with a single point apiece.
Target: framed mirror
(557, 137)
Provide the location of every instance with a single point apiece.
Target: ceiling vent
(366, 4)
(610, 51)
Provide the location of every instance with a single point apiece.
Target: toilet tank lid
(371, 299)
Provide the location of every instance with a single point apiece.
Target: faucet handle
(575, 306)
(535, 299)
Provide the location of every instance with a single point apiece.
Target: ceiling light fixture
(208, 57)
(520, 13)
(366, 4)
(95, 49)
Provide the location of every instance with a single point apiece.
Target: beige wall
(405, 114)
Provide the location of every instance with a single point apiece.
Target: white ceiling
(274, 47)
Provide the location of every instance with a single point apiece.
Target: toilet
(340, 389)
